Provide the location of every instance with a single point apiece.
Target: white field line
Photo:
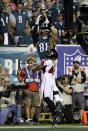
(43, 127)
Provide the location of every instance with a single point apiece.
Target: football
(42, 19)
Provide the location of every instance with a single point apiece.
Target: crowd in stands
(16, 16)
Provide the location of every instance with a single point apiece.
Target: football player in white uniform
(48, 82)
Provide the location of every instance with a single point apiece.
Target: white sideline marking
(44, 127)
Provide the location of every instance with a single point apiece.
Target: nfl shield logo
(69, 59)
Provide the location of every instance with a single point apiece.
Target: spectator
(32, 96)
(59, 25)
(26, 38)
(38, 6)
(34, 3)
(8, 10)
(33, 19)
(8, 104)
(4, 18)
(53, 12)
(65, 91)
(18, 20)
(28, 7)
(78, 79)
(58, 5)
(67, 37)
(8, 2)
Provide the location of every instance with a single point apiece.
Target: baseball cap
(43, 8)
(30, 58)
(34, 10)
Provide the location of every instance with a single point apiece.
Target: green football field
(44, 128)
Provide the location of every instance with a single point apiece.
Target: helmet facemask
(45, 34)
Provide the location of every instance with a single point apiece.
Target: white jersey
(49, 67)
(47, 79)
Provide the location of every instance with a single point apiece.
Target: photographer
(8, 104)
(65, 92)
(77, 80)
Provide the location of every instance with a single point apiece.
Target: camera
(83, 11)
(12, 88)
(60, 79)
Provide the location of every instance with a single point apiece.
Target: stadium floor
(45, 128)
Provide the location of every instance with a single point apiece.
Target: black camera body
(12, 88)
(60, 79)
(83, 11)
